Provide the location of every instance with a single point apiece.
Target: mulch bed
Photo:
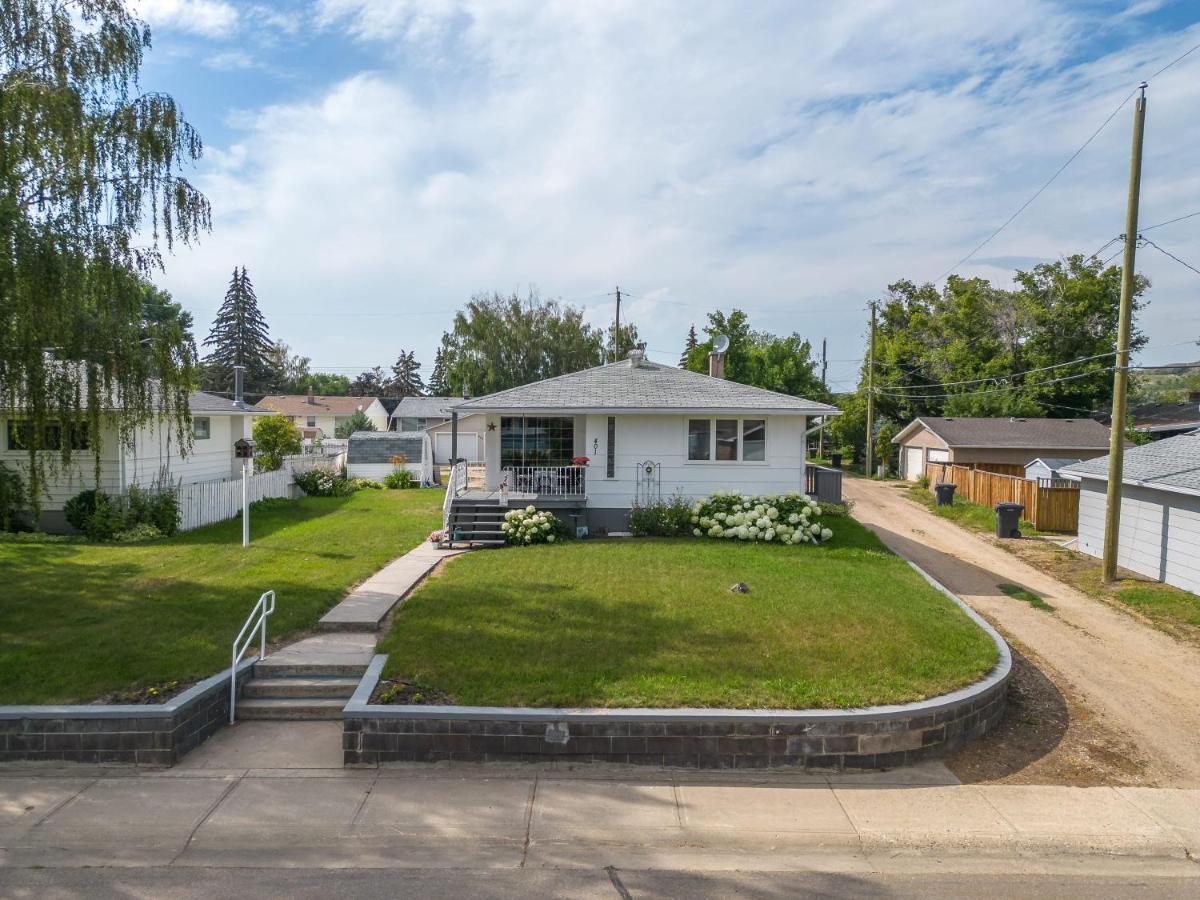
(409, 693)
(152, 695)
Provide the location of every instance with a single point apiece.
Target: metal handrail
(262, 609)
(455, 485)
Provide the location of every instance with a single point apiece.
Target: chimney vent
(312, 400)
(238, 376)
(636, 355)
(716, 364)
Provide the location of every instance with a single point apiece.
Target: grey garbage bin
(1008, 519)
(943, 492)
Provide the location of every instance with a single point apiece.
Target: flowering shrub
(790, 518)
(324, 483)
(528, 526)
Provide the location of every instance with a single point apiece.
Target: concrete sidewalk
(511, 817)
(365, 608)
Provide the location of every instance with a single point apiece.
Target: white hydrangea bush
(791, 518)
(531, 526)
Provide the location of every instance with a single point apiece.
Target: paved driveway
(1144, 684)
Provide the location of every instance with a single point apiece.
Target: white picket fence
(205, 502)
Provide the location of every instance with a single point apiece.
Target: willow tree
(91, 192)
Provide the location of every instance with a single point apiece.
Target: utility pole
(617, 329)
(824, 384)
(871, 397)
(1116, 438)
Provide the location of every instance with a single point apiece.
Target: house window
(699, 439)
(312, 422)
(201, 429)
(20, 436)
(537, 440)
(611, 449)
(727, 440)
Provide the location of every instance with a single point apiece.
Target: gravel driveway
(1139, 682)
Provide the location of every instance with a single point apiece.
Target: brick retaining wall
(144, 735)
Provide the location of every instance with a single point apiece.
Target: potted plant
(581, 460)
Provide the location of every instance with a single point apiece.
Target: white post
(245, 504)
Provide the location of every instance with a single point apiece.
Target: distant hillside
(1167, 385)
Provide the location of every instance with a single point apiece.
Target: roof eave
(650, 411)
(1156, 485)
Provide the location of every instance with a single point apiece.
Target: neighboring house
(1164, 420)
(318, 416)
(1048, 469)
(1001, 445)
(649, 430)
(369, 454)
(216, 424)
(432, 414)
(1160, 509)
(419, 413)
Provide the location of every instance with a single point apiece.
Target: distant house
(319, 416)
(1160, 509)
(1048, 468)
(432, 414)
(1164, 420)
(1002, 445)
(216, 423)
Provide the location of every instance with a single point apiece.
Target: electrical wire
(1170, 221)
(1082, 359)
(996, 390)
(1042, 189)
(1174, 61)
(1187, 265)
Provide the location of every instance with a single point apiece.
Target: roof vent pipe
(312, 399)
(238, 375)
(636, 355)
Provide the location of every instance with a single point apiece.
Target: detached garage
(1160, 510)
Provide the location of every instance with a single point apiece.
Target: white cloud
(206, 17)
(791, 162)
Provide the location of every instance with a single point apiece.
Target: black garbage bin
(835, 460)
(1008, 519)
(943, 493)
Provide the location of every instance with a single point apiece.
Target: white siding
(377, 471)
(471, 431)
(64, 483)
(663, 439)
(209, 460)
(1159, 535)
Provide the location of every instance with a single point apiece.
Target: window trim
(712, 441)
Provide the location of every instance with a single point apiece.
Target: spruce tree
(437, 379)
(691, 345)
(406, 377)
(239, 336)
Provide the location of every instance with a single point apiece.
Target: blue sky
(374, 163)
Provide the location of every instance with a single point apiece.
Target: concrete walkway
(367, 606)
(586, 818)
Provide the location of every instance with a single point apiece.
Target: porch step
(269, 668)
(328, 687)
(291, 708)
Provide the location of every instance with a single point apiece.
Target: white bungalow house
(216, 424)
(596, 442)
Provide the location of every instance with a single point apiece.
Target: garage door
(468, 446)
(914, 463)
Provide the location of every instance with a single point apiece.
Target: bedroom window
(20, 436)
(201, 428)
(727, 440)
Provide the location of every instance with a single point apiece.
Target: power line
(1040, 190)
(1176, 60)
(1171, 221)
(1170, 254)
(997, 390)
(1082, 359)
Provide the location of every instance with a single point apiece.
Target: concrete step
(270, 668)
(290, 708)
(298, 686)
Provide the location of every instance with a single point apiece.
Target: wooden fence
(205, 502)
(1048, 508)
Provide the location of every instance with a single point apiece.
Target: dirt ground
(1099, 697)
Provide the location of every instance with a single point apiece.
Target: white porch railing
(455, 485)
(547, 481)
(262, 609)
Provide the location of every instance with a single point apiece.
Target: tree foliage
(437, 378)
(369, 383)
(240, 337)
(972, 349)
(91, 190)
(356, 421)
(688, 346)
(499, 342)
(773, 362)
(406, 377)
(274, 438)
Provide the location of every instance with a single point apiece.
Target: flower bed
(790, 518)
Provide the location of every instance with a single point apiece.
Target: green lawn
(79, 620)
(651, 622)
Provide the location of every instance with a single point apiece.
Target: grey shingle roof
(425, 407)
(1018, 433)
(1172, 464)
(621, 386)
(1056, 462)
(380, 446)
(200, 402)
